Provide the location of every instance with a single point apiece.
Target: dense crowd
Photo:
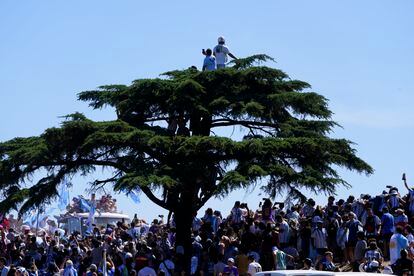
(366, 233)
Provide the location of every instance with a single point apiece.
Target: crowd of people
(368, 233)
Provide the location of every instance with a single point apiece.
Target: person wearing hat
(395, 200)
(400, 218)
(230, 269)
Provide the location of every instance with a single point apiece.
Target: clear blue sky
(358, 54)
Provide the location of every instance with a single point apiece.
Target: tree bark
(183, 220)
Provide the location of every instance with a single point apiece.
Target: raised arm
(405, 182)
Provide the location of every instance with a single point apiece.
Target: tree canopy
(164, 141)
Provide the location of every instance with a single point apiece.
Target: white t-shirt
(221, 52)
(254, 268)
(147, 271)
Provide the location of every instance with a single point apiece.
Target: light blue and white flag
(63, 195)
(84, 204)
(134, 196)
(91, 217)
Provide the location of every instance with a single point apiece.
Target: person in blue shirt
(387, 229)
(209, 63)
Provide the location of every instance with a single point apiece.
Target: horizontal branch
(229, 122)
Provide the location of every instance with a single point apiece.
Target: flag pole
(37, 220)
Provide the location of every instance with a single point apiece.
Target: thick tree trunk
(183, 220)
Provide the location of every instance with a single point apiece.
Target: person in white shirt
(220, 52)
(253, 267)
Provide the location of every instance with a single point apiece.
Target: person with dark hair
(403, 266)
(254, 266)
(354, 226)
(209, 63)
(236, 214)
(327, 264)
(359, 251)
(387, 229)
(373, 253)
(307, 264)
(3, 268)
(219, 265)
(371, 223)
(230, 269)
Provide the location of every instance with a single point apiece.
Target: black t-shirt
(403, 265)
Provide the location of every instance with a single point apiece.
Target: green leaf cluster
(164, 140)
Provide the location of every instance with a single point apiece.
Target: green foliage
(286, 146)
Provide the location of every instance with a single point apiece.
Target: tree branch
(147, 191)
(230, 122)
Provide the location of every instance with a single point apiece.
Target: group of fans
(369, 233)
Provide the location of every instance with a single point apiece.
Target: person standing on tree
(221, 51)
(209, 63)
